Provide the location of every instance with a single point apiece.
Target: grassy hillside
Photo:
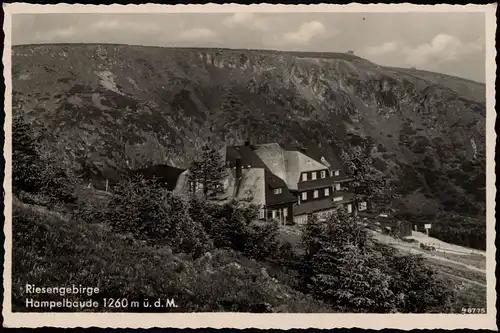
(109, 108)
(52, 249)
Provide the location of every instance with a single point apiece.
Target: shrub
(149, 212)
(233, 225)
(285, 253)
(230, 227)
(418, 288)
(203, 212)
(262, 240)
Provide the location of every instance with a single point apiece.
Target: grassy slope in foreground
(54, 251)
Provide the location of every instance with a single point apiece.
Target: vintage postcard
(265, 166)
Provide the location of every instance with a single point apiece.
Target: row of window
(302, 219)
(283, 212)
(316, 195)
(322, 175)
(275, 213)
(199, 186)
(326, 192)
(336, 187)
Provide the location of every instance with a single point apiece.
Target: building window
(338, 198)
(315, 193)
(362, 206)
(285, 212)
(273, 214)
(337, 173)
(349, 208)
(313, 175)
(323, 174)
(277, 190)
(304, 177)
(304, 195)
(337, 187)
(327, 192)
(262, 213)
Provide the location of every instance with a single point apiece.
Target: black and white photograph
(214, 164)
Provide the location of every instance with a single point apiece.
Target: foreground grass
(458, 270)
(469, 295)
(470, 284)
(52, 250)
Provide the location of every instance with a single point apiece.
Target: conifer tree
(345, 267)
(209, 171)
(27, 165)
(341, 268)
(368, 184)
(35, 169)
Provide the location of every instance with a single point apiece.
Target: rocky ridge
(110, 108)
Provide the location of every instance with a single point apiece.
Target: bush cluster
(234, 226)
(149, 212)
(38, 175)
(345, 267)
(193, 225)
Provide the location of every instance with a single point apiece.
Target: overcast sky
(450, 43)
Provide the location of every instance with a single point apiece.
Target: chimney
(238, 168)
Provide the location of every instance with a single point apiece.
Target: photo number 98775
(473, 310)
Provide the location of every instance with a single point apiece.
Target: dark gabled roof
(246, 155)
(274, 182)
(323, 204)
(164, 174)
(332, 160)
(232, 154)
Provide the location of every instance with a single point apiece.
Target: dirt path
(413, 248)
(439, 244)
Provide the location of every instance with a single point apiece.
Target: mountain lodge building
(296, 184)
(288, 184)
